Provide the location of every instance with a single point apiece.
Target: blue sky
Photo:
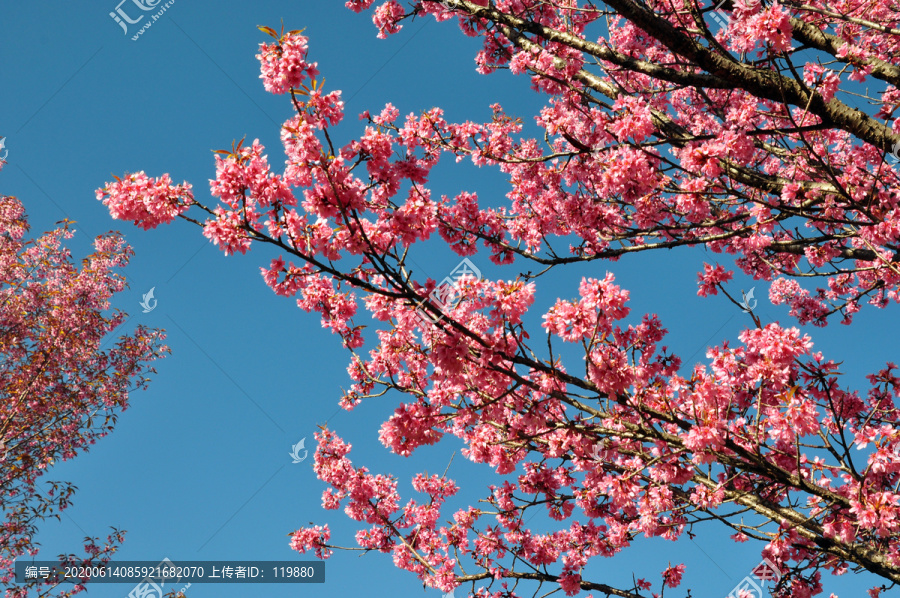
(199, 468)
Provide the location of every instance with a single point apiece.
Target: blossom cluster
(631, 445)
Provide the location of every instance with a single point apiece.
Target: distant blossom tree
(60, 390)
(760, 129)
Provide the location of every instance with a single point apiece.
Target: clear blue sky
(199, 467)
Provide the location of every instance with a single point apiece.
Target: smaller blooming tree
(60, 390)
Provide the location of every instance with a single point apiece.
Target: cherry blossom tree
(758, 129)
(60, 389)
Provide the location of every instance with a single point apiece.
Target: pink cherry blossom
(284, 65)
(148, 202)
